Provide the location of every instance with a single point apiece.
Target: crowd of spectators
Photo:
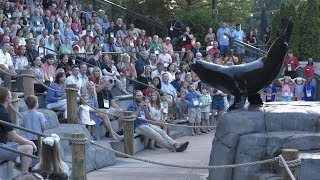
(65, 44)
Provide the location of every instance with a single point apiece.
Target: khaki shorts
(194, 115)
(205, 115)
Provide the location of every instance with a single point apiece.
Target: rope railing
(84, 141)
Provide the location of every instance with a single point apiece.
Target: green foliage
(198, 21)
(234, 11)
(263, 23)
(310, 32)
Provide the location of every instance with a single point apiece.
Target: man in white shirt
(158, 72)
(74, 78)
(238, 35)
(6, 65)
(165, 58)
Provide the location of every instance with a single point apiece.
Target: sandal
(183, 147)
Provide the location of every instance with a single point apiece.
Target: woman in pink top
(48, 67)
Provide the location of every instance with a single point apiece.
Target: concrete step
(7, 171)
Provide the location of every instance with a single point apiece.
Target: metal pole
(19, 152)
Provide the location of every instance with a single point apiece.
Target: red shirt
(96, 81)
(143, 38)
(212, 51)
(309, 71)
(131, 39)
(293, 63)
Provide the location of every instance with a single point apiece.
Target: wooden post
(72, 107)
(13, 116)
(128, 135)
(289, 155)
(79, 171)
(28, 83)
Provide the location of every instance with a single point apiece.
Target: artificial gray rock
(261, 133)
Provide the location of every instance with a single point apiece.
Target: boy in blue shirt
(270, 93)
(32, 119)
(309, 91)
(194, 111)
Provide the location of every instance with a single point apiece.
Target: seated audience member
(84, 115)
(214, 50)
(140, 109)
(65, 65)
(32, 119)
(105, 100)
(48, 67)
(155, 85)
(6, 65)
(74, 78)
(144, 78)
(127, 70)
(50, 157)
(142, 62)
(40, 76)
(158, 72)
(57, 100)
(8, 133)
(98, 117)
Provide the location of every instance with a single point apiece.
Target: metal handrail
(150, 86)
(26, 130)
(22, 128)
(19, 152)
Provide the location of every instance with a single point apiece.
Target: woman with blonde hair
(128, 70)
(50, 157)
(99, 118)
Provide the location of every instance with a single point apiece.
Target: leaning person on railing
(48, 67)
(50, 157)
(57, 100)
(8, 133)
(140, 109)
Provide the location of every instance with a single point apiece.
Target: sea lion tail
(287, 27)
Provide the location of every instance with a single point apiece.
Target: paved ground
(198, 153)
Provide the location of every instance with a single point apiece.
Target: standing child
(32, 119)
(270, 93)
(286, 83)
(205, 108)
(164, 107)
(217, 106)
(194, 112)
(298, 88)
(309, 90)
(84, 114)
(182, 106)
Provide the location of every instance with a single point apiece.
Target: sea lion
(246, 80)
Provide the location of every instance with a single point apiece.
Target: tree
(310, 32)
(263, 22)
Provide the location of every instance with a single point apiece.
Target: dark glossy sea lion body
(247, 80)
